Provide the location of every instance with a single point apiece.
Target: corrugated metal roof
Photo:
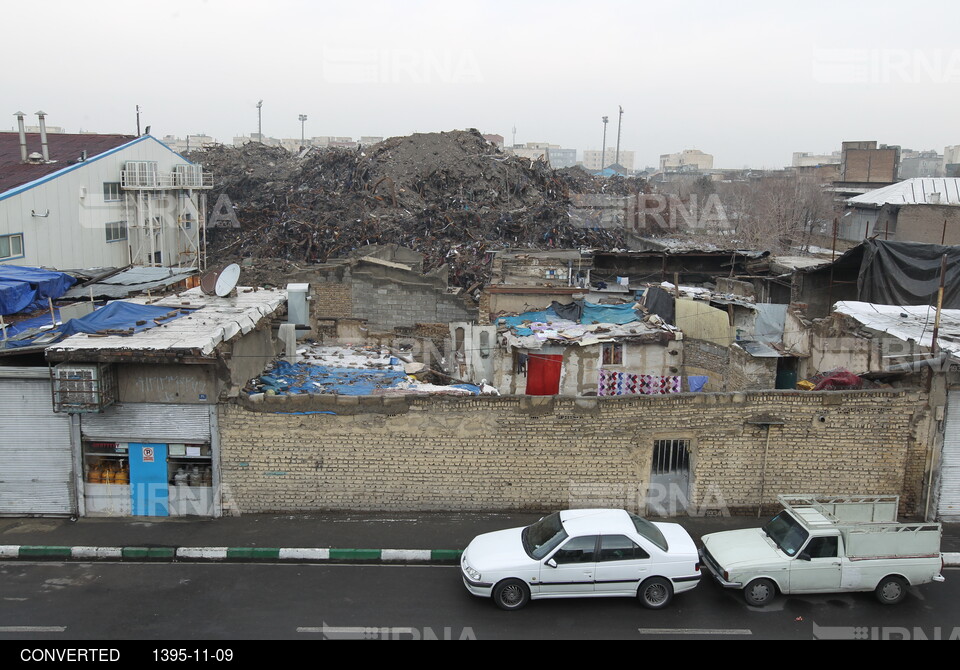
(64, 149)
(907, 322)
(919, 191)
(215, 320)
(129, 282)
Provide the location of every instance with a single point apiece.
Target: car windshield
(649, 531)
(539, 539)
(786, 532)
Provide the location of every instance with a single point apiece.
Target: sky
(749, 82)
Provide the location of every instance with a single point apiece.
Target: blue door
(148, 479)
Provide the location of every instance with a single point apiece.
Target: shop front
(150, 460)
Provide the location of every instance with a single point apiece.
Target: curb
(227, 554)
(247, 554)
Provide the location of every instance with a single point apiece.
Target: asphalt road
(50, 604)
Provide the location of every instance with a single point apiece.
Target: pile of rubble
(451, 196)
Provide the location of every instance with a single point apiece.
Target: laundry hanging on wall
(612, 383)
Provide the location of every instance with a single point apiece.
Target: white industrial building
(73, 201)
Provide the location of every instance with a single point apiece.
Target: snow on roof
(918, 191)
(216, 320)
(913, 322)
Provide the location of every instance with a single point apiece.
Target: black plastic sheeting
(908, 273)
(660, 302)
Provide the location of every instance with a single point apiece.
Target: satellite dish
(221, 282)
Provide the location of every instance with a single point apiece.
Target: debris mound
(451, 196)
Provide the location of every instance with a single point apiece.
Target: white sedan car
(585, 553)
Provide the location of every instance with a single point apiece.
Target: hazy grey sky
(748, 81)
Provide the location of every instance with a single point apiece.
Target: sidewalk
(328, 536)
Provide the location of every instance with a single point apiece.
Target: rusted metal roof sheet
(64, 149)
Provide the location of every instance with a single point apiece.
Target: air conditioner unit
(86, 388)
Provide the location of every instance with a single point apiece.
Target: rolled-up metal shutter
(142, 422)
(948, 508)
(36, 457)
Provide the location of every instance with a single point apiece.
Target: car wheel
(891, 590)
(511, 594)
(655, 593)
(759, 592)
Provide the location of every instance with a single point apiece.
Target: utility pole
(138, 120)
(259, 122)
(514, 144)
(619, 125)
(303, 120)
(603, 148)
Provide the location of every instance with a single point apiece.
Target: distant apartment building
(189, 143)
(533, 150)
(561, 158)
(915, 164)
(595, 159)
(688, 159)
(951, 161)
(803, 159)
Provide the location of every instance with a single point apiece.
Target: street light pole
(603, 149)
(303, 120)
(619, 126)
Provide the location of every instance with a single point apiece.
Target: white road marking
(695, 631)
(32, 629)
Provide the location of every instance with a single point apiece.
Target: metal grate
(83, 388)
(671, 457)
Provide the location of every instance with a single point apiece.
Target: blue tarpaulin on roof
(591, 313)
(26, 289)
(618, 314)
(117, 315)
(286, 377)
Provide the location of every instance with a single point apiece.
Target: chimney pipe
(23, 137)
(43, 136)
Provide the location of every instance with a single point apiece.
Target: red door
(543, 374)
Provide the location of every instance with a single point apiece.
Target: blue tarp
(591, 313)
(26, 289)
(293, 378)
(618, 314)
(286, 377)
(117, 315)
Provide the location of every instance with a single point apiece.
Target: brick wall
(702, 357)
(519, 453)
(331, 299)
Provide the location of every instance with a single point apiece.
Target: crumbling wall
(510, 453)
(749, 373)
(704, 358)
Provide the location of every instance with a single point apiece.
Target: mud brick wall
(331, 300)
(701, 357)
(538, 454)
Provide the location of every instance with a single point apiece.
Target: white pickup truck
(824, 544)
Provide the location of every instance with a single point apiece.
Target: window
(822, 547)
(116, 231)
(577, 550)
(111, 191)
(11, 246)
(649, 531)
(620, 548)
(613, 353)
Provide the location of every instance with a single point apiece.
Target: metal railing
(148, 180)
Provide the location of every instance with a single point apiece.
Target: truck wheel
(891, 590)
(656, 593)
(759, 592)
(511, 594)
